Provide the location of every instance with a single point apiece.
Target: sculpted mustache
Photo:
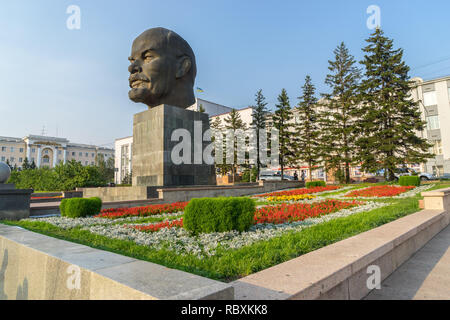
(136, 78)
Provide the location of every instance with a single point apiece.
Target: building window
(92, 163)
(87, 154)
(4, 149)
(59, 152)
(93, 155)
(46, 159)
(46, 151)
(73, 153)
(80, 154)
(33, 150)
(12, 159)
(437, 147)
(12, 149)
(433, 122)
(3, 158)
(429, 98)
(20, 160)
(21, 150)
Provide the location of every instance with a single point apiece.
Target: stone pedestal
(14, 203)
(152, 146)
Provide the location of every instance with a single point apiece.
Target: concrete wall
(340, 270)
(36, 267)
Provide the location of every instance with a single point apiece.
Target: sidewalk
(426, 275)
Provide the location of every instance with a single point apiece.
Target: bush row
(62, 177)
(312, 184)
(208, 215)
(80, 207)
(409, 181)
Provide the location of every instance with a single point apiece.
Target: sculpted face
(162, 69)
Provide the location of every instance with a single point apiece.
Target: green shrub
(222, 214)
(80, 207)
(246, 176)
(409, 181)
(312, 184)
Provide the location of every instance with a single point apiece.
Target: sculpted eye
(148, 57)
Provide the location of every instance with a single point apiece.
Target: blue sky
(75, 82)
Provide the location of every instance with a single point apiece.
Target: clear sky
(75, 82)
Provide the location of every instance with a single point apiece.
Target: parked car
(410, 172)
(445, 176)
(274, 176)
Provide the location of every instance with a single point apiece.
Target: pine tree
(259, 123)
(234, 122)
(33, 165)
(26, 164)
(281, 118)
(217, 129)
(390, 119)
(339, 130)
(307, 130)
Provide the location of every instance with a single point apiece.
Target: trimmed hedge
(312, 184)
(221, 214)
(80, 207)
(409, 181)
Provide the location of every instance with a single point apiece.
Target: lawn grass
(228, 265)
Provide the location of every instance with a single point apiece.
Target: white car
(274, 176)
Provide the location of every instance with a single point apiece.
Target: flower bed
(142, 211)
(379, 191)
(296, 197)
(299, 191)
(297, 212)
(153, 227)
(40, 198)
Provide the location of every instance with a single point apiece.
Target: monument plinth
(152, 163)
(14, 203)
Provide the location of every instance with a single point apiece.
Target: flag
(199, 89)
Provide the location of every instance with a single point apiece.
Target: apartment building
(122, 158)
(434, 100)
(48, 151)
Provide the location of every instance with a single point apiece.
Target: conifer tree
(389, 118)
(234, 122)
(281, 118)
(339, 130)
(259, 123)
(217, 129)
(307, 144)
(26, 164)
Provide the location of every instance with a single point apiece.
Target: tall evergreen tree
(281, 118)
(33, 164)
(26, 164)
(217, 129)
(390, 119)
(339, 130)
(259, 123)
(234, 122)
(308, 147)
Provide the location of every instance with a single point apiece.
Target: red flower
(300, 211)
(142, 211)
(380, 191)
(300, 191)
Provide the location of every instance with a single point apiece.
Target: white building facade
(48, 151)
(434, 100)
(122, 158)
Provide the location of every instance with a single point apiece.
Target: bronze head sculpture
(162, 69)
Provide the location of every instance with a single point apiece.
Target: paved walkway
(426, 275)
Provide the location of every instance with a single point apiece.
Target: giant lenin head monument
(162, 75)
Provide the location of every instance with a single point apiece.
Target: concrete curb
(340, 270)
(35, 266)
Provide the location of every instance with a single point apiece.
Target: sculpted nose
(134, 68)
